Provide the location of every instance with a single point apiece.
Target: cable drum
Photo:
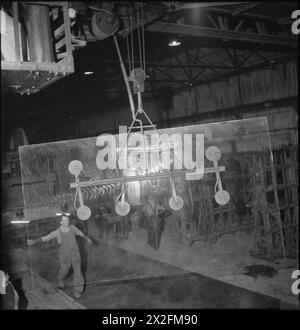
(104, 25)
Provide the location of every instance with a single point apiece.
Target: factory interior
(149, 155)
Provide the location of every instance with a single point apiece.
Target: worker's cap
(64, 211)
(60, 214)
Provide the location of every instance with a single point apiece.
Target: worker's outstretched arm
(53, 234)
(80, 233)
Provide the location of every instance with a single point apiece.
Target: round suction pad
(213, 153)
(222, 197)
(75, 167)
(84, 212)
(176, 204)
(122, 208)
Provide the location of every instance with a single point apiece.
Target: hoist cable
(139, 38)
(128, 53)
(132, 108)
(141, 45)
(143, 37)
(131, 32)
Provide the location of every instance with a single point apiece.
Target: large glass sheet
(46, 177)
(179, 205)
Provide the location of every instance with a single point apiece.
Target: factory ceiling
(218, 40)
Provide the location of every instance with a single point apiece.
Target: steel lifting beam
(153, 176)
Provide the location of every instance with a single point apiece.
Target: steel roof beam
(204, 32)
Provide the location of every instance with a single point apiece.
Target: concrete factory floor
(120, 279)
(225, 261)
(131, 274)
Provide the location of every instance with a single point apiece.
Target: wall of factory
(249, 95)
(254, 87)
(262, 88)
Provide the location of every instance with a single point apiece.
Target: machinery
(39, 38)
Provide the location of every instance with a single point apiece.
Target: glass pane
(205, 182)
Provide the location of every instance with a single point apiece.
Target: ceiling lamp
(88, 72)
(174, 43)
(19, 221)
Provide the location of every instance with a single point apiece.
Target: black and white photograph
(149, 158)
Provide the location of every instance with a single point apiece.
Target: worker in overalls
(68, 252)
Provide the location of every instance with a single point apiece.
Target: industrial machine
(39, 38)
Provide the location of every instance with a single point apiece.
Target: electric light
(174, 43)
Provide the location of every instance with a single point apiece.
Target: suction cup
(222, 197)
(176, 204)
(84, 212)
(213, 153)
(122, 208)
(75, 167)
